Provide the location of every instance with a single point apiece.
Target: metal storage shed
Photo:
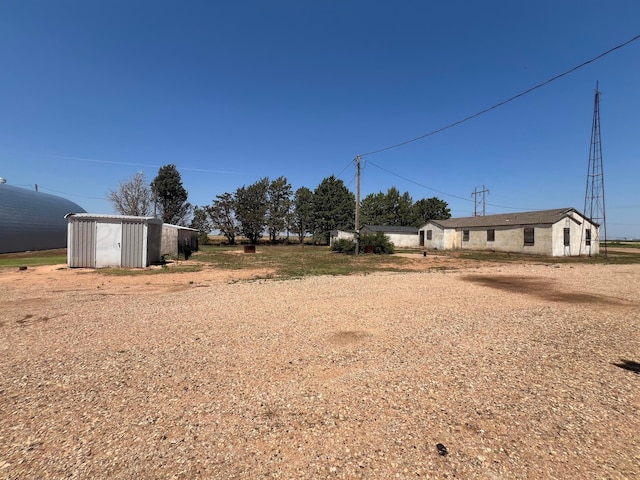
(31, 220)
(97, 241)
(176, 237)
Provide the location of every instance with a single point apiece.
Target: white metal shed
(98, 241)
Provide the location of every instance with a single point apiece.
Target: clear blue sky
(93, 91)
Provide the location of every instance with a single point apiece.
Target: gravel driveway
(517, 371)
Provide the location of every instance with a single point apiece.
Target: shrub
(344, 245)
(203, 238)
(379, 242)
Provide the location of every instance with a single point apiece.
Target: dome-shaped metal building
(31, 220)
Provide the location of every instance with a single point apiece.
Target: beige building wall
(403, 240)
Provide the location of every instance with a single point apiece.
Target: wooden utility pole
(357, 233)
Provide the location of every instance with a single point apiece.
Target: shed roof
(390, 229)
(106, 216)
(538, 217)
(179, 227)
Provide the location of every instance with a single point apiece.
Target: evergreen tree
(302, 213)
(278, 207)
(399, 208)
(202, 223)
(222, 215)
(430, 209)
(373, 209)
(251, 209)
(170, 196)
(390, 209)
(334, 207)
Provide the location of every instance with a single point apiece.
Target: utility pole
(475, 194)
(357, 233)
(594, 196)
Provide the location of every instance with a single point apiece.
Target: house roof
(505, 219)
(390, 229)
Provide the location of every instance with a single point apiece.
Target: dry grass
(519, 370)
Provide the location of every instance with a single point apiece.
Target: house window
(465, 235)
(529, 236)
(429, 234)
(567, 237)
(491, 235)
(587, 237)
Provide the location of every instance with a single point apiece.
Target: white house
(558, 232)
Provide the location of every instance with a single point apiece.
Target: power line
(69, 194)
(369, 162)
(345, 167)
(504, 102)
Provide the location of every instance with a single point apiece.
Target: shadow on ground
(628, 365)
(539, 287)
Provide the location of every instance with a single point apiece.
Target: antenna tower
(594, 195)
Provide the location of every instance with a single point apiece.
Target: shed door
(108, 244)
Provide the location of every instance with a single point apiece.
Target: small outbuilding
(98, 241)
(557, 232)
(177, 240)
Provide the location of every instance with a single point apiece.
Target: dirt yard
(524, 371)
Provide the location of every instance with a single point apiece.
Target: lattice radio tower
(594, 195)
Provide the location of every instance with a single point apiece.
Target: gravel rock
(515, 368)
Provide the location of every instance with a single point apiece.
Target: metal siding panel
(82, 243)
(132, 244)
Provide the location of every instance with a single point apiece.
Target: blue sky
(92, 92)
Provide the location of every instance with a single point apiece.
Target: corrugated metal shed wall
(81, 251)
(129, 242)
(133, 244)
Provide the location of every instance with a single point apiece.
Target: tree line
(271, 207)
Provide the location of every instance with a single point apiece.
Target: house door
(108, 244)
(422, 238)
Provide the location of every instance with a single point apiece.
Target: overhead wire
(504, 102)
(440, 191)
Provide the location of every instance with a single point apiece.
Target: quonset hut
(31, 220)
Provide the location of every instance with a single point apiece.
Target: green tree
(399, 208)
(334, 207)
(251, 209)
(222, 215)
(391, 208)
(170, 196)
(430, 209)
(132, 197)
(202, 223)
(373, 209)
(278, 207)
(302, 213)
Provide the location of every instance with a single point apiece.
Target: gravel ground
(516, 370)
